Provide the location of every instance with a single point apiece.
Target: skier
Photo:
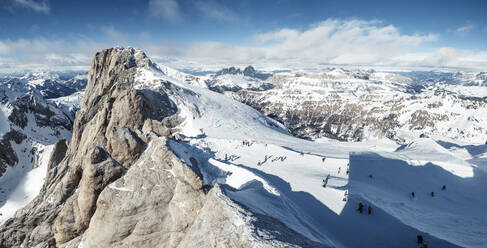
(345, 196)
(325, 181)
(369, 210)
(370, 175)
(360, 207)
(339, 168)
(412, 194)
(265, 158)
(432, 194)
(420, 239)
(348, 171)
(444, 187)
(323, 159)
(226, 158)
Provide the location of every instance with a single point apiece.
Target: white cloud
(41, 6)
(330, 42)
(213, 10)
(464, 30)
(335, 42)
(166, 9)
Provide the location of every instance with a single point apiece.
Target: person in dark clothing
(370, 175)
(369, 210)
(360, 207)
(444, 187)
(412, 194)
(432, 194)
(420, 239)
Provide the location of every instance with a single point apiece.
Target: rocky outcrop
(248, 71)
(118, 183)
(8, 157)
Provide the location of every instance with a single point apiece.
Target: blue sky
(66, 34)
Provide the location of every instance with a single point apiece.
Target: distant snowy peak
(234, 79)
(248, 71)
(48, 84)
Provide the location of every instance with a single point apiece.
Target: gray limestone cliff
(117, 183)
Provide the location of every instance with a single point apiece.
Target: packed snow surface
(263, 167)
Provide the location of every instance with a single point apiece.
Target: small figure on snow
(444, 187)
(345, 196)
(370, 176)
(432, 194)
(348, 171)
(325, 181)
(412, 194)
(339, 168)
(360, 207)
(369, 210)
(323, 159)
(420, 239)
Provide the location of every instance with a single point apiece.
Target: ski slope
(287, 185)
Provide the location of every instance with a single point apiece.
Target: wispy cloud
(113, 34)
(41, 6)
(464, 30)
(216, 11)
(166, 9)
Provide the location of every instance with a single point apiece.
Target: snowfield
(21, 184)
(258, 163)
(262, 166)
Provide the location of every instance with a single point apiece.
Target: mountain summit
(118, 183)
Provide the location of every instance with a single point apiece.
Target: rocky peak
(248, 71)
(118, 183)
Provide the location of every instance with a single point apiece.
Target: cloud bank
(331, 42)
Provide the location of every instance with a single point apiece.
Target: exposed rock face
(331, 117)
(248, 71)
(119, 184)
(355, 106)
(7, 155)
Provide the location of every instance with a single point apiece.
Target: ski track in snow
(290, 189)
(288, 184)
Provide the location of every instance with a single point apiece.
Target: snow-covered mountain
(50, 84)
(158, 159)
(29, 126)
(353, 105)
(233, 79)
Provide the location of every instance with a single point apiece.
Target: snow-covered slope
(263, 167)
(353, 105)
(29, 126)
(258, 163)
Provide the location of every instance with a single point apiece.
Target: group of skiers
(432, 193)
(248, 143)
(361, 208)
(231, 157)
(274, 159)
